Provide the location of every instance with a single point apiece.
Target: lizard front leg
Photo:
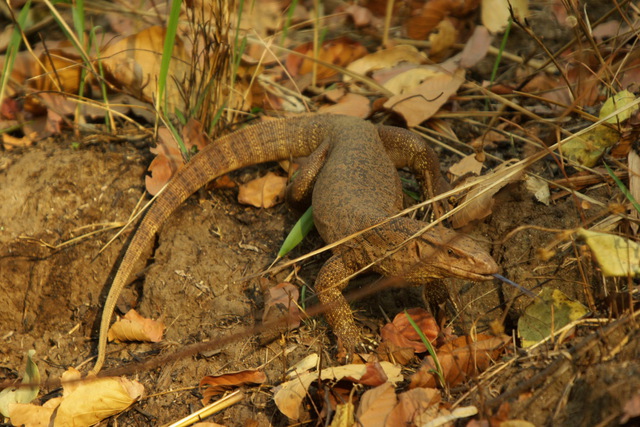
(406, 149)
(330, 282)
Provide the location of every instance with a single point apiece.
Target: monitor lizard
(352, 179)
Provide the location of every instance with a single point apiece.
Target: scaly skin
(354, 185)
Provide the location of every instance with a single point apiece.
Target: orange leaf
(341, 52)
(461, 359)
(133, 327)
(263, 192)
(217, 384)
(402, 334)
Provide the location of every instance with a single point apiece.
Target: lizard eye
(450, 252)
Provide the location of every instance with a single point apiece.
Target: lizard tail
(267, 141)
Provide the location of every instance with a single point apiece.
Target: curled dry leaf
(481, 196)
(213, 385)
(442, 39)
(461, 359)
(133, 327)
(426, 99)
(263, 192)
(402, 334)
(341, 52)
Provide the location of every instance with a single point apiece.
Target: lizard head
(442, 253)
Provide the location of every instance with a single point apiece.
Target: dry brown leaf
(373, 376)
(425, 100)
(350, 105)
(341, 52)
(460, 360)
(496, 13)
(442, 39)
(212, 385)
(281, 301)
(263, 192)
(376, 404)
(133, 327)
(401, 333)
(10, 142)
(413, 404)
(467, 164)
(169, 158)
(134, 62)
(386, 58)
(434, 11)
(482, 205)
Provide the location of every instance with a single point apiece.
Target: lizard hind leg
(330, 282)
(299, 191)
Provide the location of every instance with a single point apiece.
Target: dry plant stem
(212, 408)
(591, 301)
(316, 42)
(599, 21)
(387, 22)
(551, 56)
(564, 360)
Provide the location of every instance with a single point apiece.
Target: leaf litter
(434, 97)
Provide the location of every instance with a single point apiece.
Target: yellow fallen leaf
(588, 148)
(616, 102)
(616, 255)
(133, 327)
(95, 400)
(495, 13)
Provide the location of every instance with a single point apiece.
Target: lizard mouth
(471, 275)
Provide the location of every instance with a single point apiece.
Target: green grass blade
(13, 47)
(623, 188)
(298, 232)
(432, 352)
(167, 53)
